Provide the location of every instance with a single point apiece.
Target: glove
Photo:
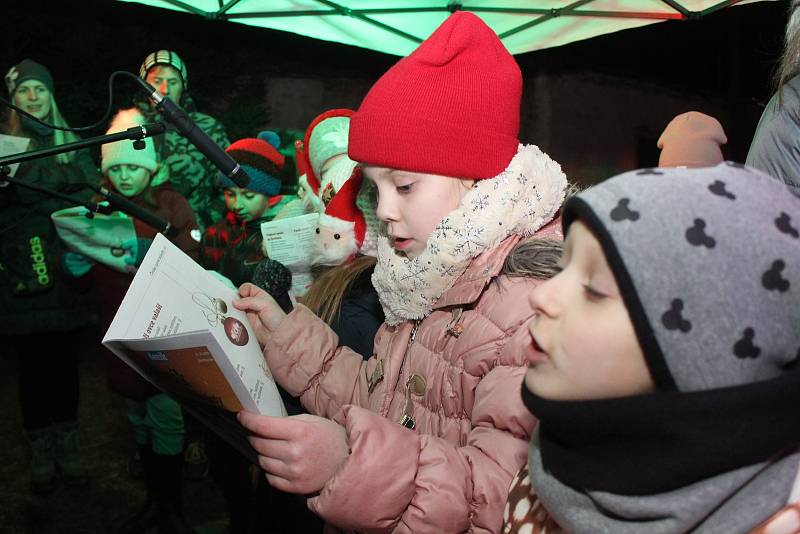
(136, 248)
(76, 264)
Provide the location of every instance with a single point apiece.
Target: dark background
(723, 62)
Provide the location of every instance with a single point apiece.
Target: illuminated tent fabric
(398, 26)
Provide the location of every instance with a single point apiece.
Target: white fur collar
(520, 200)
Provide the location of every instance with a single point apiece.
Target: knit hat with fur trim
(691, 139)
(260, 159)
(122, 152)
(25, 70)
(325, 138)
(164, 57)
(328, 139)
(450, 108)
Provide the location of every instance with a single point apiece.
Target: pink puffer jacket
(452, 472)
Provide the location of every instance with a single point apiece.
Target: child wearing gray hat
(663, 361)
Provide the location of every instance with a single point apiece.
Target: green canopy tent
(398, 26)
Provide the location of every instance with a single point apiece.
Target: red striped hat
(260, 159)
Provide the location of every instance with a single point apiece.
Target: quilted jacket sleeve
(396, 480)
(304, 357)
(184, 222)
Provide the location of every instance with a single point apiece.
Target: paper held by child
(177, 327)
(290, 241)
(12, 145)
(100, 237)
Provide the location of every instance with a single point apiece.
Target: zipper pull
(375, 377)
(415, 385)
(455, 328)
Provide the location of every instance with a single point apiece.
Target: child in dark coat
(233, 246)
(157, 419)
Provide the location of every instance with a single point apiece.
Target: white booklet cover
(177, 327)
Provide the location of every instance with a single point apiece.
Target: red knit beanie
(451, 107)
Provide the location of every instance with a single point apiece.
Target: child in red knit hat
(427, 434)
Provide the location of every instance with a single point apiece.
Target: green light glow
(393, 27)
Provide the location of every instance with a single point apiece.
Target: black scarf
(654, 443)
(37, 127)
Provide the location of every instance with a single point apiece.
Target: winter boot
(170, 483)
(68, 457)
(135, 467)
(195, 460)
(44, 478)
(146, 518)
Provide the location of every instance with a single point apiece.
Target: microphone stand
(137, 134)
(93, 207)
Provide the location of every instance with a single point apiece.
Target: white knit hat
(122, 152)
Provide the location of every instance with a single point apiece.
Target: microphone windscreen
(273, 277)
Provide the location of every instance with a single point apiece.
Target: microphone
(187, 128)
(274, 278)
(150, 219)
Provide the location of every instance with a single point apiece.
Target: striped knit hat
(164, 57)
(261, 161)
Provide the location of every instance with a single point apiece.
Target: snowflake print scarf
(518, 201)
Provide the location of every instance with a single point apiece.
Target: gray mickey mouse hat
(708, 264)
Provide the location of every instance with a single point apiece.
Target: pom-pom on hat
(164, 57)
(450, 108)
(692, 139)
(122, 152)
(25, 70)
(260, 159)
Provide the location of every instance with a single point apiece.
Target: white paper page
(301, 281)
(11, 145)
(288, 241)
(171, 294)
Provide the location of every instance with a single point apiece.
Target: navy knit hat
(261, 161)
(25, 70)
